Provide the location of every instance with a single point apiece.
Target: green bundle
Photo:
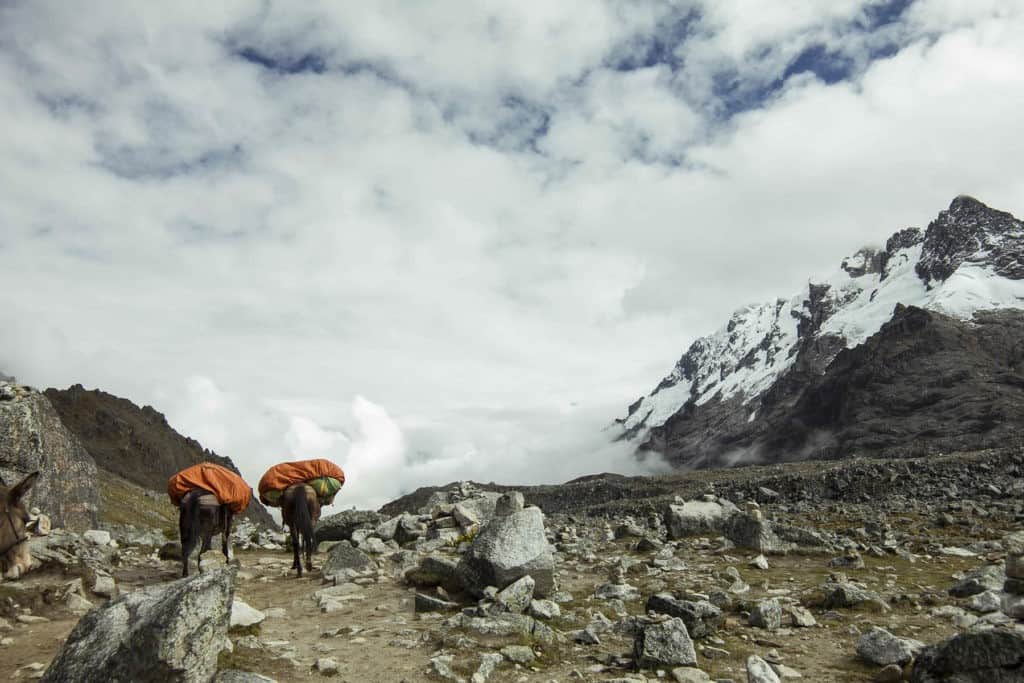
(326, 488)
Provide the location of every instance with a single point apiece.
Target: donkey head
(14, 554)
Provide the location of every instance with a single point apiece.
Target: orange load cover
(281, 476)
(229, 488)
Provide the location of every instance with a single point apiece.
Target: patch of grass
(122, 502)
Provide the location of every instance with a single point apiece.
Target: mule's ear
(19, 490)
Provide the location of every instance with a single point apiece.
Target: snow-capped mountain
(732, 391)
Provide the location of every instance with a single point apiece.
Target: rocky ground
(734, 580)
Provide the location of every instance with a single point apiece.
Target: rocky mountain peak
(732, 388)
(971, 232)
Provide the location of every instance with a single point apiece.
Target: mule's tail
(189, 526)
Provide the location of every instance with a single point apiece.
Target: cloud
(498, 223)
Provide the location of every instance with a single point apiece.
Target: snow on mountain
(970, 258)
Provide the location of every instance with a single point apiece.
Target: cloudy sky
(449, 240)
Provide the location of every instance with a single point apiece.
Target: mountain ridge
(135, 443)
(726, 395)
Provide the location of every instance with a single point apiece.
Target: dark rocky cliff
(135, 443)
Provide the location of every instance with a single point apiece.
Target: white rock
(97, 537)
(758, 671)
(242, 615)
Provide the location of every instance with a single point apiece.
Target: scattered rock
(666, 644)
(168, 632)
(882, 648)
(992, 656)
(758, 671)
(766, 614)
(243, 616)
(508, 548)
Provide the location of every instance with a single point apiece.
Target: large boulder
(994, 656)
(666, 644)
(756, 533)
(33, 438)
(989, 577)
(701, 617)
(506, 549)
(170, 632)
(339, 527)
(343, 556)
(698, 518)
(880, 647)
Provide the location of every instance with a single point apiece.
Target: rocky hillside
(133, 443)
(912, 349)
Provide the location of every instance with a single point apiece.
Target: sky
(445, 241)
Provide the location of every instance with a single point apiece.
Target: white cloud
(472, 215)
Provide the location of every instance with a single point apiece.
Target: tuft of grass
(122, 502)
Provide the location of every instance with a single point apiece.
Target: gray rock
(97, 537)
(489, 661)
(1013, 606)
(435, 571)
(409, 530)
(844, 594)
(33, 439)
(374, 546)
(516, 596)
(339, 527)
(170, 632)
(242, 615)
(666, 644)
(766, 614)
(801, 616)
(985, 603)
(465, 515)
(700, 617)
(507, 624)
(698, 518)
(989, 577)
(687, 674)
(509, 503)
(343, 556)
(328, 666)
(507, 548)
(520, 654)
(753, 532)
(758, 671)
(882, 648)
(428, 603)
(545, 609)
(992, 656)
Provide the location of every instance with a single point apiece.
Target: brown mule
(15, 558)
(202, 516)
(300, 510)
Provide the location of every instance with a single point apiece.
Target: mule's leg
(226, 544)
(296, 564)
(188, 541)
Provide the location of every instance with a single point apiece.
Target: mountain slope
(136, 444)
(750, 391)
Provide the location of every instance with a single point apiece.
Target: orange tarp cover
(229, 488)
(283, 475)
